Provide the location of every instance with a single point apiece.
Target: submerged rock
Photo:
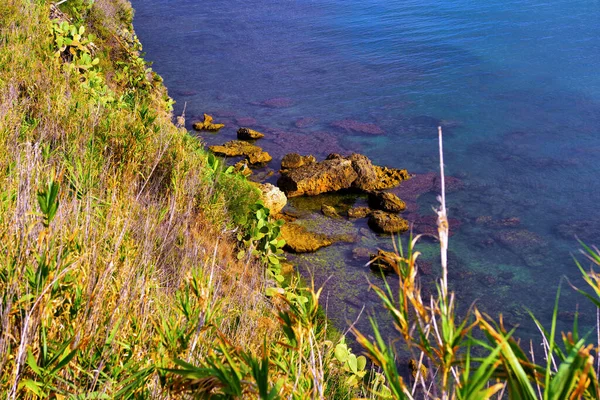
(277, 102)
(207, 124)
(386, 201)
(385, 261)
(305, 122)
(529, 245)
(313, 179)
(359, 212)
(329, 211)
(295, 160)
(299, 240)
(249, 134)
(350, 125)
(383, 222)
(236, 148)
(273, 198)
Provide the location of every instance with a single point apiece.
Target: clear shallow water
(515, 84)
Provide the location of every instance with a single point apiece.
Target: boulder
(299, 240)
(236, 148)
(386, 201)
(367, 175)
(273, 198)
(388, 178)
(385, 261)
(383, 222)
(249, 134)
(329, 211)
(359, 212)
(313, 179)
(295, 160)
(207, 124)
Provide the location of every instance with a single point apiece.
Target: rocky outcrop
(386, 201)
(242, 167)
(234, 148)
(383, 222)
(207, 124)
(295, 160)
(273, 198)
(249, 134)
(313, 179)
(301, 175)
(299, 240)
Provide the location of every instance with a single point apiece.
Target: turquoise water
(515, 85)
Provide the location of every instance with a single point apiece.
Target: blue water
(515, 85)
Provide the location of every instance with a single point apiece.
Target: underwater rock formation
(353, 126)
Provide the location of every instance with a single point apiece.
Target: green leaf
(353, 363)
(341, 352)
(362, 363)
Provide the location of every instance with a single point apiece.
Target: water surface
(514, 84)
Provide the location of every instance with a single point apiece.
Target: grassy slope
(136, 258)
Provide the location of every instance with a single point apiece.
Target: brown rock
(367, 175)
(383, 222)
(313, 179)
(299, 240)
(207, 124)
(359, 212)
(249, 134)
(236, 148)
(360, 253)
(386, 201)
(295, 160)
(388, 178)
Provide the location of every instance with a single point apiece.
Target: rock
(413, 366)
(529, 245)
(388, 178)
(299, 240)
(360, 253)
(260, 157)
(277, 102)
(235, 148)
(386, 201)
(295, 160)
(273, 198)
(367, 174)
(305, 122)
(242, 168)
(350, 125)
(245, 121)
(359, 212)
(313, 179)
(207, 124)
(249, 134)
(329, 211)
(383, 222)
(386, 261)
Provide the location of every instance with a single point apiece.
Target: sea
(515, 86)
